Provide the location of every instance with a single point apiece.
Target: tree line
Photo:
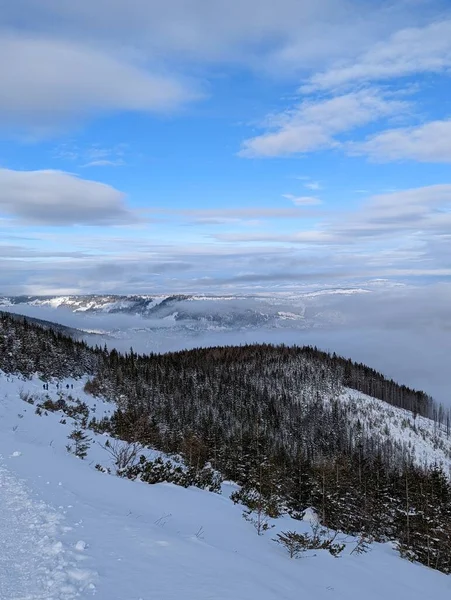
(271, 419)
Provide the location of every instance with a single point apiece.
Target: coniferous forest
(271, 419)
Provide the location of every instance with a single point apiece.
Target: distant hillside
(203, 311)
(291, 425)
(57, 327)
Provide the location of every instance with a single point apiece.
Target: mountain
(57, 327)
(297, 430)
(201, 311)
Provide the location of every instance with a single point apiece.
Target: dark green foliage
(319, 539)
(69, 406)
(100, 426)
(159, 470)
(77, 410)
(54, 405)
(79, 443)
(28, 348)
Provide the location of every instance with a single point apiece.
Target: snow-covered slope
(428, 442)
(69, 531)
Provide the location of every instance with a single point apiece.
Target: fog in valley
(403, 331)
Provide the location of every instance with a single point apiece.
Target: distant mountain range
(207, 311)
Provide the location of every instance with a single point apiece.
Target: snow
(69, 531)
(428, 443)
(35, 563)
(97, 303)
(290, 316)
(53, 302)
(345, 291)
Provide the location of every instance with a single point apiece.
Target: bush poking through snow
(102, 469)
(159, 471)
(102, 425)
(125, 455)
(319, 539)
(92, 387)
(80, 443)
(259, 519)
(291, 542)
(363, 544)
(26, 397)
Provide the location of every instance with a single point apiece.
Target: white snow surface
(69, 531)
(427, 442)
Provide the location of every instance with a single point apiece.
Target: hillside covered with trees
(271, 418)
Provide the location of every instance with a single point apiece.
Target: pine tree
(80, 443)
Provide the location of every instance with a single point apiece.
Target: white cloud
(85, 58)
(313, 125)
(302, 200)
(94, 155)
(321, 238)
(228, 216)
(119, 162)
(406, 52)
(415, 216)
(430, 142)
(313, 185)
(251, 32)
(47, 83)
(318, 123)
(58, 198)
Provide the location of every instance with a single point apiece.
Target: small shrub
(124, 455)
(92, 387)
(319, 539)
(80, 443)
(100, 426)
(363, 545)
(159, 471)
(290, 540)
(102, 469)
(26, 397)
(259, 519)
(53, 405)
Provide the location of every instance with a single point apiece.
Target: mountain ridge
(277, 420)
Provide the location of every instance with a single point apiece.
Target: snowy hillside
(206, 312)
(428, 442)
(69, 531)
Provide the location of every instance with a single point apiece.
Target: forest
(270, 418)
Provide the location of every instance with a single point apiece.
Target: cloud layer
(315, 124)
(84, 58)
(409, 51)
(430, 142)
(71, 80)
(361, 91)
(57, 198)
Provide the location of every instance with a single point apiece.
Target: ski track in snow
(34, 562)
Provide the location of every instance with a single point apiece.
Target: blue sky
(210, 146)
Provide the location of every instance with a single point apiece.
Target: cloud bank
(58, 198)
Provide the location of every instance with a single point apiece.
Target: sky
(208, 146)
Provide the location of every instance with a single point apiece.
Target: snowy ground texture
(425, 440)
(68, 531)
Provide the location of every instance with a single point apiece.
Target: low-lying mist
(405, 332)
